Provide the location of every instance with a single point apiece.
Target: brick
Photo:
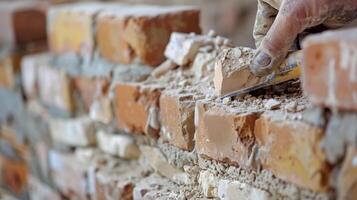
(177, 119)
(183, 48)
(55, 88)
(229, 190)
(136, 107)
(119, 181)
(142, 31)
(154, 187)
(346, 185)
(40, 191)
(13, 175)
(291, 150)
(329, 69)
(73, 132)
(225, 135)
(101, 110)
(69, 174)
(118, 145)
(71, 28)
(22, 22)
(91, 88)
(29, 72)
(232, 70)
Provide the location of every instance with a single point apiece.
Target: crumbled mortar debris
(263, 180)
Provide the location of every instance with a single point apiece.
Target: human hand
(293, 17)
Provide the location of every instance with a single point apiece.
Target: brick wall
(126, 104)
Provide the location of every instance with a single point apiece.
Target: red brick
(14, 175)
(224, 135)
(330, 69)
(177, 119)
(71, 28)
(133, 102)
(347, 181)
(22, 22)
(291, 150)
(142, 31)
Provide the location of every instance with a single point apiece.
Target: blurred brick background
(230, 18)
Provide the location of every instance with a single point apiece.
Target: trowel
(290, 69)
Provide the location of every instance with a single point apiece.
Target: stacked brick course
(105, 115)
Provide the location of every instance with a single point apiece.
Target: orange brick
(225, 135)
(347, 181)
(22, 22)
(291, 150)
(177, 119)
(14, 175)
(71, 28)
(142, 31)
(136, 107)
(330, 69)
(91, 88)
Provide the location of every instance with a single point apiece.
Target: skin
(280, 22)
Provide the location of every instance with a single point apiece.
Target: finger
(293, 17)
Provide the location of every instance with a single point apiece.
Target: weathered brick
(291, 150)
(73, 132)
(55, 88)
(347, 180)
(142, 31)
(22, 22)
(29, 72)
(182, 48)
(177, 119)
(117, 182)
(91, 88)
(136, 107)
(230, 190)
(69, 174)
(41, 191)
(330, 69)
(225, 135)
(71, 27)
(13, 175)
(118, 145)
(232, 70)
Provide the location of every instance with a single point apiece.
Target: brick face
(71, 28)
(330, 69)
(291, 150)
(55, 88)
(14, 175)
(22, 22)
(223, 135)
(91, 88)
(142, 31)
(132, 105)
(177, 119)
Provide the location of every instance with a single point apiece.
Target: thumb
(291, 20)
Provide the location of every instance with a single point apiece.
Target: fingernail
(262, 59)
